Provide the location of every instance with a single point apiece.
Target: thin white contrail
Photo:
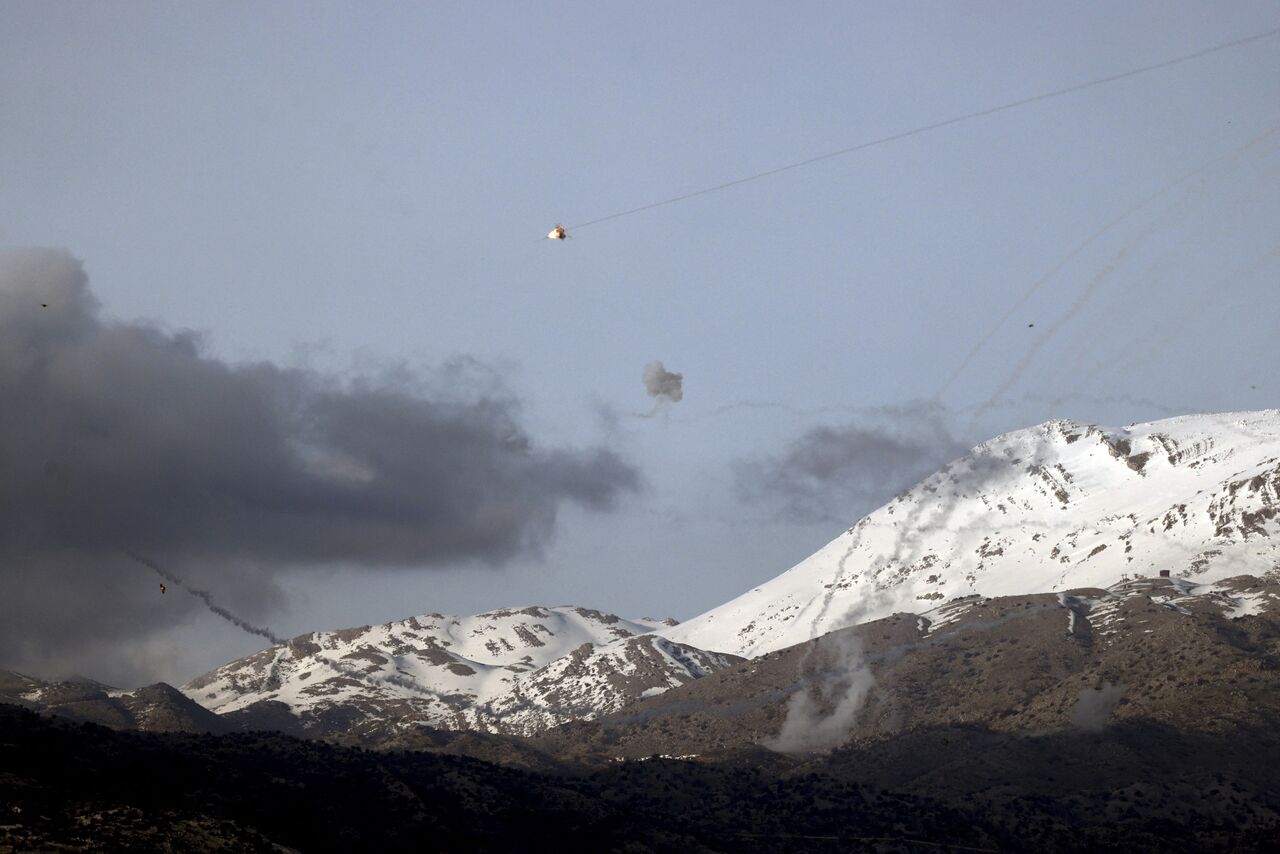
(977, 114)
(1146, 348)
(1101, 232)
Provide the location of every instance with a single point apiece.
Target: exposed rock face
(1057, 506)
(1192, 658)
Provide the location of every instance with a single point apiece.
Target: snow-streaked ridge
(511, 670)
(1058, 506)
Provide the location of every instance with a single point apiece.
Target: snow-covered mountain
(1058, 506)
(1055, 507)
(510, 671)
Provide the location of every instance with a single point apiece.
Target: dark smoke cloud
(126, 436)
(837, 473)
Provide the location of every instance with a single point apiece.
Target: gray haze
(1092, 711)
(122, 435)
(822, 712)
(836, 473)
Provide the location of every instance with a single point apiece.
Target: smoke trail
(1041, 282)
(911, 530)
(1088, 84)
(821, 714)
(206, 598)
(1028, 357)
(1093, 399)
(855, 540)
(1143, 292)
(845, 681)
(1086, 243)
(1149, 345)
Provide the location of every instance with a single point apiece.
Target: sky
(301, 340)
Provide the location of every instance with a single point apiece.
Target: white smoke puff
(663, 384)
(1092, 711)
(821, 714)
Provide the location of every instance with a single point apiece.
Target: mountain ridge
(1061, 506)
(513, 670)
(1058, 505)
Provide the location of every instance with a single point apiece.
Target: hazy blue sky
(351, 187)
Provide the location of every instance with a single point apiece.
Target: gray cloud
(126, 436)
(837, 473)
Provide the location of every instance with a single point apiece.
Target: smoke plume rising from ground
(1092, 710)
(821, 713)
(119, 435)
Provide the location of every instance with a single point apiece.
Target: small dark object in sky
(162, 589)
(1030, 325)
(44, 305)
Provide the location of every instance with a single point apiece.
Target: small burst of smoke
(664, 386)
(1092, 710)
(205, 597)
(822, 712)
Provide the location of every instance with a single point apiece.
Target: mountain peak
(1056, 506)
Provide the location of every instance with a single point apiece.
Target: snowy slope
(515, 671)
(1058, 506)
